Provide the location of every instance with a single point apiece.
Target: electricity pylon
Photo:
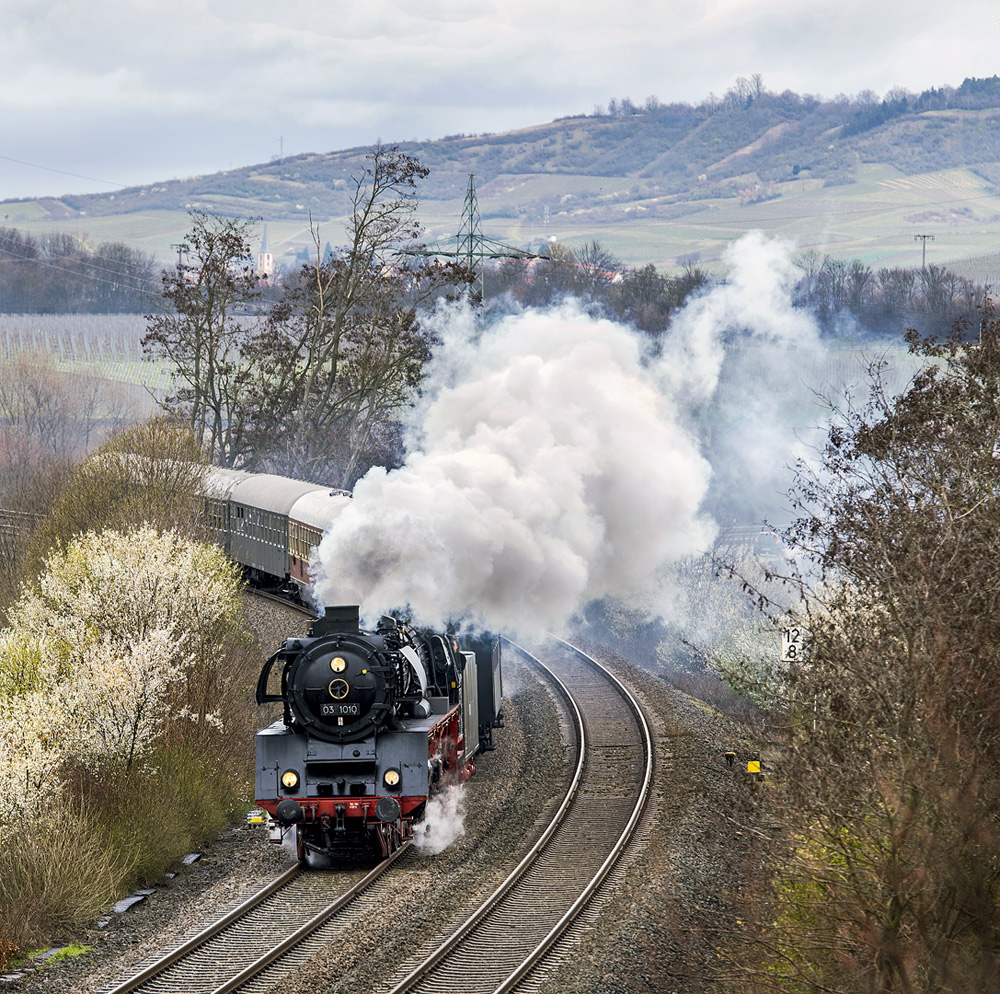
(472, 246)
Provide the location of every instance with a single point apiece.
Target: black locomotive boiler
(373, 724)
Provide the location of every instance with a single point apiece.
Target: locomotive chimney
(344, 618)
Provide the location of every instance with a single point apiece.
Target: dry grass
(55, 875)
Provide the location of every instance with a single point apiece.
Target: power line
(139, 282)
(472, 245)
(62, 172)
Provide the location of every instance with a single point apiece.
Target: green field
(873, 219)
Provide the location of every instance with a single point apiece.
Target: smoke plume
(549, 469)
(556, 460)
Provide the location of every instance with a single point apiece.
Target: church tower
(265, 261)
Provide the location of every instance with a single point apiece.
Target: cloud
(234, 74)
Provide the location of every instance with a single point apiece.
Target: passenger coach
(270, 524)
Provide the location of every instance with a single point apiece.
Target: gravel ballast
(657, 923)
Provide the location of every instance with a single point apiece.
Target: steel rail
(303, 932)
(209, 932)
(587, 892)
(176, 956)
(269, 595)
(557, 930)
(484, 909)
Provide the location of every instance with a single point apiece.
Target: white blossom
(93, 654)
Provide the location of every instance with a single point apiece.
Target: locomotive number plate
(340, 709)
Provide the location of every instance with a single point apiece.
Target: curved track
(501, 944)
(241, 945)
(506, 938)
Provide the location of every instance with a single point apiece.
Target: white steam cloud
(550, 469)
(755, 299)
(750, 363)
(443, 821)
(554, 462)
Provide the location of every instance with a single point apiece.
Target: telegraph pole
(923, 238)
(181, 250)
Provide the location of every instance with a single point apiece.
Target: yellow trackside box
(753, 766)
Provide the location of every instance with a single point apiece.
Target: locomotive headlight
(338, 664)
(289, 779)
(391, 779)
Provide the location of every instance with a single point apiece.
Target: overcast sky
(120, 92)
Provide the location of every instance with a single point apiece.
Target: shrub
(126, 725)
(55, 876)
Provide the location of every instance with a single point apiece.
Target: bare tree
(203, 330)
(597, 269)
(886, 878)
(344, 348)
(56, 416)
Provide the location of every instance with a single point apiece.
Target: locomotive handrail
(262, 696)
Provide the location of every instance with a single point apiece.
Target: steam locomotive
(373, 724)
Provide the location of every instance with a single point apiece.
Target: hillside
(657, 183)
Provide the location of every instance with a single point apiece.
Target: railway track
(249, 941)
(285, 602)
(500, 945)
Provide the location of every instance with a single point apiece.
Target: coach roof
(319, 508)
(272, 493)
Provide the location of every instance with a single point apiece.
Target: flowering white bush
(31, 753)
(92, 655)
